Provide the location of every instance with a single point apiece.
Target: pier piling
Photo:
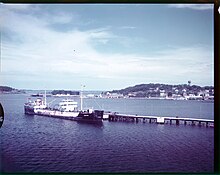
(113, 117)
(177, 122)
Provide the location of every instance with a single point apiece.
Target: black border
(216, 86)
(1, 114)
(216, 63)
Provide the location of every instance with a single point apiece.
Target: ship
(66, 109)
(37, 95)
(40, 95)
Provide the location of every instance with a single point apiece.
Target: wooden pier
(161, 120)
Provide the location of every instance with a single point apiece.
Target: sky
(105, 46)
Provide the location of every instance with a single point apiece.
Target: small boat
(37, 95)
(40, 95)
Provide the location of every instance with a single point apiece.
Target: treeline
(6, 89)
(10, 90)
(65, 92)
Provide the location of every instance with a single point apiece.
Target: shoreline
(129, 98)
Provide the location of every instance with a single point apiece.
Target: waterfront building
(163, 93)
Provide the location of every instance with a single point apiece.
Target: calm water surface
(43, 144)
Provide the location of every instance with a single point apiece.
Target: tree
(169, 94)
(189, 82)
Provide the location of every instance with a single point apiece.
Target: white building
(163, 93)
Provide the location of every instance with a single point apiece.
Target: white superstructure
(66, 108)
(68, 105)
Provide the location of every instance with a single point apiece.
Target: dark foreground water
(43, 144)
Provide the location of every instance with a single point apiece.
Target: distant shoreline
(127, 98)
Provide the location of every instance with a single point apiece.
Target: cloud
(62, 18)
(30, 46)
(193, 6)
(127, 27)
(16, 6)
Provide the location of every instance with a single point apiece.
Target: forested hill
(7, 89)
(145, 89)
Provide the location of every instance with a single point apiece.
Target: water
(43, 144)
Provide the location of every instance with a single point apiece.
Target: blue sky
(106, 47)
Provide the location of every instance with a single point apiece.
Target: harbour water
(44, 144)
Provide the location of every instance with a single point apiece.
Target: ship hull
(28, 110)
(95, 116)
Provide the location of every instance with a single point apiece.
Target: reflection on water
(91, 124)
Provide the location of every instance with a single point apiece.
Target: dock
(160, 120)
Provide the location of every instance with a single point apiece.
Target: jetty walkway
(160, 120)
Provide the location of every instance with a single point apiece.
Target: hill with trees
(154, 90)
(7, 89)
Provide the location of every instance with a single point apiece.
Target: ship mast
(45, 98)
(81, 97)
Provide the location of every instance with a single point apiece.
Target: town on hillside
(148, 91)
(164, 91)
